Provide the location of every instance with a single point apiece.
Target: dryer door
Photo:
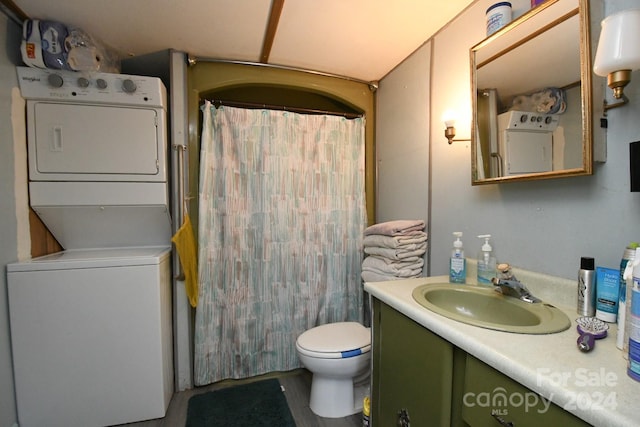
(70, 142)
(527, 152)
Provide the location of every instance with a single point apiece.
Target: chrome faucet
(508, 285)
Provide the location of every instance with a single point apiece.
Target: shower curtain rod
(303, 110)
(193, 60)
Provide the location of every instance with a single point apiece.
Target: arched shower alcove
(264, 85)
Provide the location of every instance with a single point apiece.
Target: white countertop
(593, 386)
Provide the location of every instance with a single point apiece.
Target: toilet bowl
(338, 356)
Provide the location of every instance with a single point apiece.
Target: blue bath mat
(258, 404)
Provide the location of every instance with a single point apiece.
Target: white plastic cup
(498, 15)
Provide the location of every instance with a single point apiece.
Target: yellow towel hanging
(186, 246)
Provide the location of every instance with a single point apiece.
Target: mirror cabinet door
(531, 95)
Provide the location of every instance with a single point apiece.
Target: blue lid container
(498, 15)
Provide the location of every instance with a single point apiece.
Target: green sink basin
(484, 307)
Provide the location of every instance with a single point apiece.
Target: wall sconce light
(450, 130)
(618, 52)
(449, 119)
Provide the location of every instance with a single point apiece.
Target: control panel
(91, 87)
(529, 121)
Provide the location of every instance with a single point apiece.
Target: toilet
(338, 356)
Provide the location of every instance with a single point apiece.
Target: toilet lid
(335, 340)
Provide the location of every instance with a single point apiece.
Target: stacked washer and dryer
(91, 325)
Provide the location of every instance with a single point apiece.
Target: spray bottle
(632, 271)
(486, 262)
(624, 299)
(457, 262)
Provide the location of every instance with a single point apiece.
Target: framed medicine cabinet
(532, 97)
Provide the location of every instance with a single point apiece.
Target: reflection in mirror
(532, 101)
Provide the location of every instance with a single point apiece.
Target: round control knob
(101, 83)
(83, 82)
(55, 80)
(129, 86)
(547, 120)
(523, 118)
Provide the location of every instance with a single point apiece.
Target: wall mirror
(532, 97)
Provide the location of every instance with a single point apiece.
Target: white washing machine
(91, 336)
(91, 326)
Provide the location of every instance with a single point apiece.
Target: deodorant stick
(587, 287)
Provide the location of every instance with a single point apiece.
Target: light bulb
(449, 118)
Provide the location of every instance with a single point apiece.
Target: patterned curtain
(281, 218)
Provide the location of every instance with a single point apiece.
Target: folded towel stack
(394, 250)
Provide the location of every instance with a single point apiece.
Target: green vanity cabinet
(489, 395)
(420, 379)
(412, 372)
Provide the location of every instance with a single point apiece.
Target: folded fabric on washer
(410, 241)
(401, 269)
(395, 228)
(396, 254)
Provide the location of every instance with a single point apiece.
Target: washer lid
(341, 337)
(94, 258)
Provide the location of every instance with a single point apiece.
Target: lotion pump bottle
(457, 262)
(486, 262)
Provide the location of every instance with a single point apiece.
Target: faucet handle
(504, 266)
(504, 271)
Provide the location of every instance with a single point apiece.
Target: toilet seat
(335, 341)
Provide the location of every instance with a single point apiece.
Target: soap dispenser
(457, 262)
(486, 262)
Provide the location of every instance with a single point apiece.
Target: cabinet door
(412, 372)
(489, 394)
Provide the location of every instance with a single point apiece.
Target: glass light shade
(449, 118)
(619, 48)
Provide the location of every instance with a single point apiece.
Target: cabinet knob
(403, 418)
(502, 421)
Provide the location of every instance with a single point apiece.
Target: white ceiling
(362, 39)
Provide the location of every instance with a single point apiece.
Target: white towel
(403, 273)
(395, 228)
(370, 276)
(396, 254)
(384, 265)
(408, 260)
(409, 242)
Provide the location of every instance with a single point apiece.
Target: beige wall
(13, 198)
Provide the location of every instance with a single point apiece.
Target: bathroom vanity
(431, 370)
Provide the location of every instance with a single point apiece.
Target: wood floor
(297, 385)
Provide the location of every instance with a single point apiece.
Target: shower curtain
(281, 216)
